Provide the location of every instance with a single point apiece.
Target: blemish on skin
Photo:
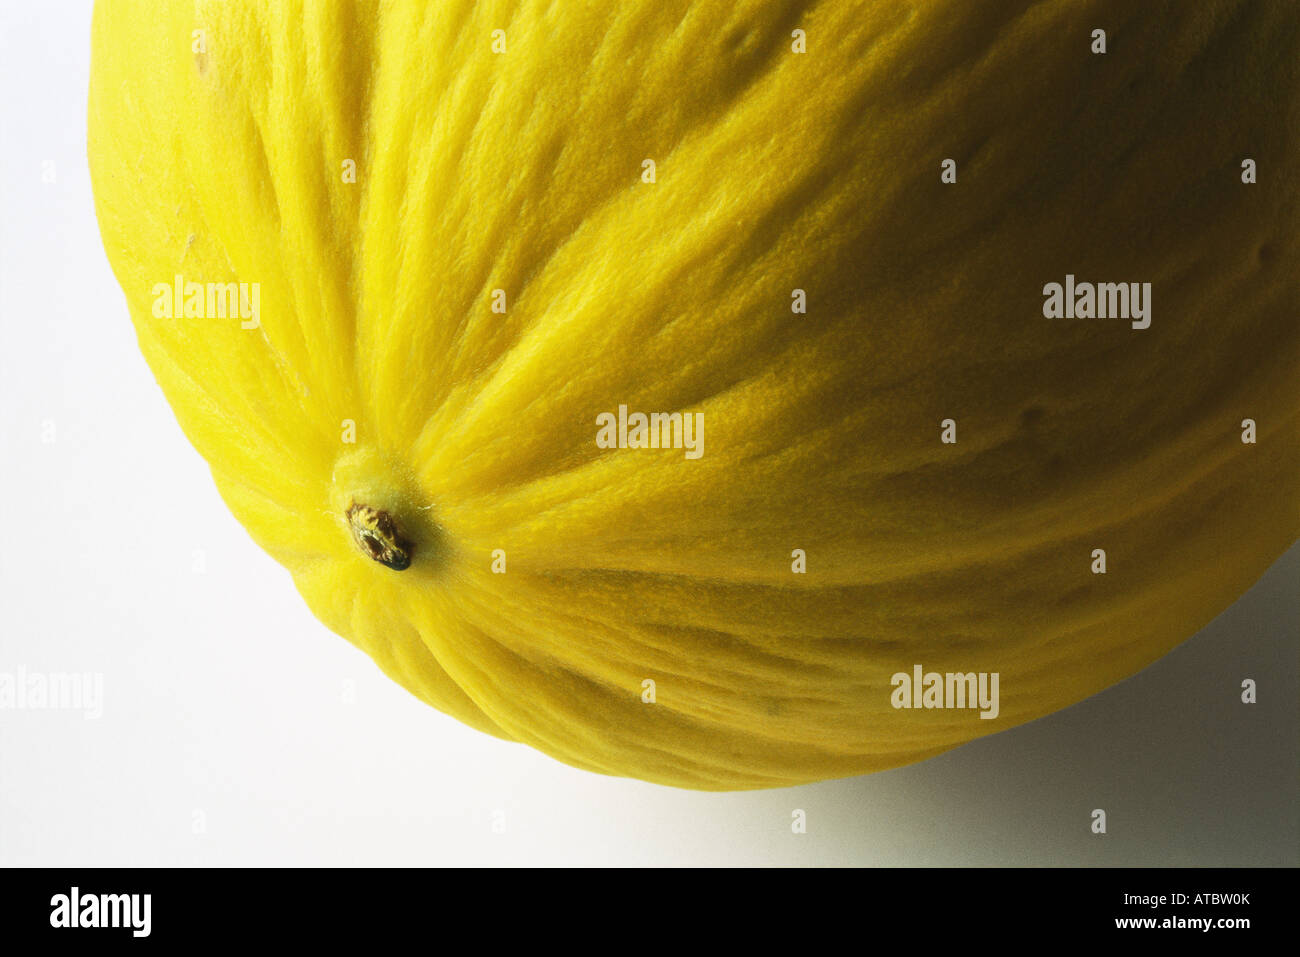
(1030, 416)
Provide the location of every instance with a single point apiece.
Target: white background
(227, 705)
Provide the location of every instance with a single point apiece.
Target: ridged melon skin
(775, 170)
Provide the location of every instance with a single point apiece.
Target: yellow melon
(407, 272)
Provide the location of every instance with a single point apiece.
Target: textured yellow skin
(476, 431)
